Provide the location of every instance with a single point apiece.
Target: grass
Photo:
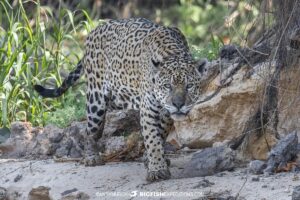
(33, 50)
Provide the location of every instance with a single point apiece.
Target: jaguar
(137, 64)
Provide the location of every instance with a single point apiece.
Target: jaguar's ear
(201, 66)
(155, 63)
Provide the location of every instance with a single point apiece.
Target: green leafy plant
(209, 51)
(74, 109)
(198, 20)
(34, 50)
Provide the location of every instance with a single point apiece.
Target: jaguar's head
(177, 84)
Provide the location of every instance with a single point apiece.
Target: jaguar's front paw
(93, 160)
(162, 174)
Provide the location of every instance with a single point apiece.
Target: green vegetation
(39, 44)
(72, 110)
(209, 51)
(34, 49)
(228, 20)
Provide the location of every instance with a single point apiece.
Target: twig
(238, 194)
(66, 159)
(22, 167)
(280, 39)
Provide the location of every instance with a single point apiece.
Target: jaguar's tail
(68, 82)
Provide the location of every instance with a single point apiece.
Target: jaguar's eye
(189, 86)
(168, 86)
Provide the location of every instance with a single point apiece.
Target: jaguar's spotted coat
(137, 64)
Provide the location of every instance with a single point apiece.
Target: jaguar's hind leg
(96, 109)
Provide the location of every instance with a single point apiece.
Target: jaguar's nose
(178, 102)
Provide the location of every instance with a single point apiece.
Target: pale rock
(39, 193)
(3, 193)
(119, 122)
(21, 130)
(114, 144)
(296, 193)
(282, 153)
(54, 133)
(76, 196)
(289, 104)
(257, 166)
(210, 161)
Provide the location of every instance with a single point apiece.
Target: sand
(127, 181)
